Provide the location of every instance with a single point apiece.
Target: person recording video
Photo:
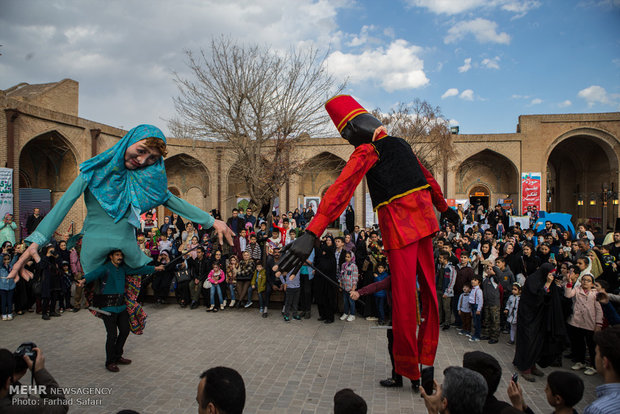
(13, 366)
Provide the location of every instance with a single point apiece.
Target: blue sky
(484, 62)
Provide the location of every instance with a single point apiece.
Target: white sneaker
(225, 303)
(578, 366)
(211, 308)
(222, 306)
(372, 318)
(344, 316)
(9, 317)
(248, 304)
(232, 303)
(590, 371)
(351, 318)
(4, 318)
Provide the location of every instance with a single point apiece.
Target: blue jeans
(349, 304)
(231, 288)
(219, 294)
(6, 300)
(477, 320)
(261, 300)
(380, 301)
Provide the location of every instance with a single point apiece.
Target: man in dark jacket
(33, 220)
(199, 269)
(235, 222)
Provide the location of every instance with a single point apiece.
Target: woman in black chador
(326, 293)
(541, 332)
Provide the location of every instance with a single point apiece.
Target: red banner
(530, 191)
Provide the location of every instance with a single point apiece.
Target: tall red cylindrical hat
(342, 109)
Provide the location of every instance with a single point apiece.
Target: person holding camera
(13, 366)
(7, 229)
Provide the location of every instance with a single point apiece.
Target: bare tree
(261, 103)
(426, 130)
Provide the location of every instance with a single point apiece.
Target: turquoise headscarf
(117, 188)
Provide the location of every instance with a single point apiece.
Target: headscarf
(597, 268)
(117, 188)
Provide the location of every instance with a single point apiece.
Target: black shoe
(493, 341)
(327, 321)
(55, 314)
(265, 314)
(45, 317)
(445, 327)
(194, 305)
(390, 383)
(415, 386)
(484, 338)
(75, 310)
(320, 319)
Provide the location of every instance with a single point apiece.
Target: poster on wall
(6, 191)
(530, 191)
(312, 202)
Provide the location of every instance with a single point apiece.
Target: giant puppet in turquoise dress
(115, 196)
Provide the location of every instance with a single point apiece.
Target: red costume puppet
(403, 193)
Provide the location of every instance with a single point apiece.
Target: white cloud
(485, 31)
(452, 7)
(123, 53)
(536, 101)
(362, 38)
(595, 95)
(565, 104)
(516, 96)
(467, 95)
(450, 92)
(492, 63)
(466, 66)
(397, 67)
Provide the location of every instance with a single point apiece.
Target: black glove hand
(451, 215)
(294, 255)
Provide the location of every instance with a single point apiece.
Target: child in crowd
(259, 282)
(464, 310)
(215, 277)
(512, 307)
(66, 281)
(491, 309)
(511, 310)
(231, 278)
(292, 285)
(475, 304)
(381, 296)
(564, 390)
(291, 236)
(7, 287)
(274, 241)
(348, 282)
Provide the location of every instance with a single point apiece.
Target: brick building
(44, 140)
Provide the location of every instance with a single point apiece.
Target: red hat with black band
(346, 111)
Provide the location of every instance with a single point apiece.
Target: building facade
(43, 140)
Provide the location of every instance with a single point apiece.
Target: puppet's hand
(451, 215)
(294, 255)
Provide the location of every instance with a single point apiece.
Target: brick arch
(319, 172)
(48, 160)
(608, 142)
(184, 172)
(491, 169)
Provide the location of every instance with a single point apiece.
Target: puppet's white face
(139, 155)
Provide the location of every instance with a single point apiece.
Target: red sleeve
(438, 201)
(339, 194)
(385, 284)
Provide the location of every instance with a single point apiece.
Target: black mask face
(360, 129)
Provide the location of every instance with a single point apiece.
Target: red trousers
(414, 345)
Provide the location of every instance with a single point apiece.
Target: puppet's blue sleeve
(52, 220)
(188, 211)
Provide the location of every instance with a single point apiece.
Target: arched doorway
(238, 195)
(479, 195)
(487, 177)
(580, 169)
(47, 167)
(188, 178)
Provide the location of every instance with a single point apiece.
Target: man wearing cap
(403, 194)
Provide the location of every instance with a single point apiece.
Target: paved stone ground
(293, 367)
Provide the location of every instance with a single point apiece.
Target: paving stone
(287, 367)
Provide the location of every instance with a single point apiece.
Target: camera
(24, 349)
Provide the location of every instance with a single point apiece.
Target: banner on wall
(530, 191)
(6, 191)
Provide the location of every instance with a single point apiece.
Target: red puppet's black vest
(396, 174)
